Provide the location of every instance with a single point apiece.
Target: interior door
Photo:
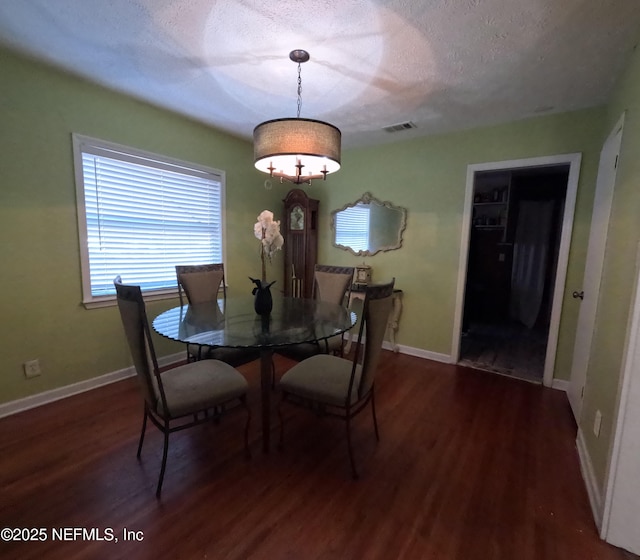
(593, 267)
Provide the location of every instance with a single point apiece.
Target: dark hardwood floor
(469, 466)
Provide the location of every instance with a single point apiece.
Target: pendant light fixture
(294, 149)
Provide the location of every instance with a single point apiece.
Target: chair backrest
(332, 283)
(136, 327)
(201, 283)
(377, 306)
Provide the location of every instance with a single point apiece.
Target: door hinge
(582, 392)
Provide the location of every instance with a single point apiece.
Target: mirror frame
(368, 198)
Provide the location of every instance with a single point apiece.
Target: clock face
(296, 218)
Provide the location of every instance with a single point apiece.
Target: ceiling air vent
(398, 127)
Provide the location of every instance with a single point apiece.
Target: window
(140, 214)
(352, 227)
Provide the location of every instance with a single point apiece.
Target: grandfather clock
(300, 234)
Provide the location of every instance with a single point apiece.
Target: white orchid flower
(267, 230)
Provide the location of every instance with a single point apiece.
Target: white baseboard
(420, 353)
(32, 401)
(13, 407)
(560, 384)
(586, 467)
(20, 405)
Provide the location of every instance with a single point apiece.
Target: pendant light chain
(299, 89)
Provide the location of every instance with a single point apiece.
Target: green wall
(41, 281)
(428, 177)
(40, 299)
(619, 275)
(41, 107)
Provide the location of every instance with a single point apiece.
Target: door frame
(622, 497)
(594, 265)
(573, 160)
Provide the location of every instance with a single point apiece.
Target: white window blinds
(352, 227)
(142, 215)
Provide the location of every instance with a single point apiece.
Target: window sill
(110, 301)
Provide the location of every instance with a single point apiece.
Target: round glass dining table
(235, 324)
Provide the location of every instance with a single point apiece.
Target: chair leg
(164, 459)
(142, 432)
(281, 419)
(273, 374)
(373, 412)
(354, 472)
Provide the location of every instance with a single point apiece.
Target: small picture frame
(362, 275)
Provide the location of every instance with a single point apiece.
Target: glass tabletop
(236, 324)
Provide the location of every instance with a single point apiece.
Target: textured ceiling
(442, 64)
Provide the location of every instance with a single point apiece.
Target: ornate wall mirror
(368, 226)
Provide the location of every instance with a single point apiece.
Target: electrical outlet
(31, 368)
(597, 420)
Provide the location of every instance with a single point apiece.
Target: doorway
(511, 269)
(516, 235)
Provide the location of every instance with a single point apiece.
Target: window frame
(85, 143)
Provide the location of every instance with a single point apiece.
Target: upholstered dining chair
(199, 284)
(331, 284)
(180, 397)
(335, 386)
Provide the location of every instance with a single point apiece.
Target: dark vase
(263, 302)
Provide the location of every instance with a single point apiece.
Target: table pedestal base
(266, 365)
